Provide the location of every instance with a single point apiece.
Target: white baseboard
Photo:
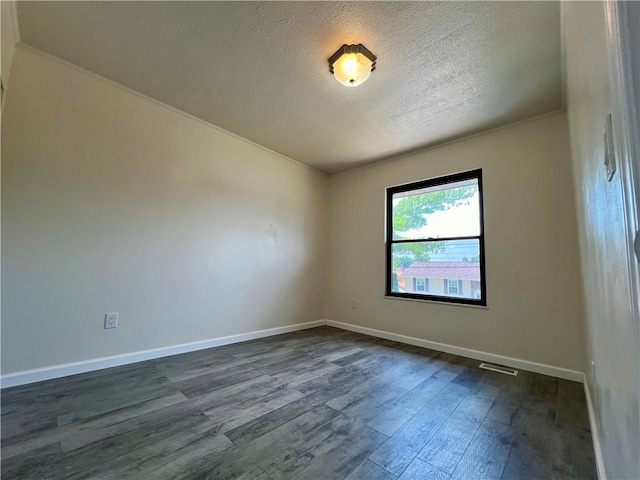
(57, 371)
(595, 432)
(466, 352)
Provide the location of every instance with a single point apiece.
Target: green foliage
(394, 282)
(404, 254)
(409, 212)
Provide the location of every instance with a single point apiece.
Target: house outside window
(435, 239)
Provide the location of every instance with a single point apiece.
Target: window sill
(482, 307)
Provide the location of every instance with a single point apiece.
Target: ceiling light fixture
(352, 64)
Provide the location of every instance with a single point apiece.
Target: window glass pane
(450, 268)
(449, 210)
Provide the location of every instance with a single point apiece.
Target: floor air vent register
(499, 368)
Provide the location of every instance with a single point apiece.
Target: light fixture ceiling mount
(352, 64)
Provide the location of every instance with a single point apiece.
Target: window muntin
(435, 235)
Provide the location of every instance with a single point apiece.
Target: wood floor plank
(571, 409)
(573, 456)
(345, 444)
(446, 447)
(346, 455)
(293, 360)
(41, 391)
(280, 446)
(399, 451)
(267, 404)
(255, 474)
(92, 407)
(44, 463)
(183, 373)
(486, 456)
(75, 435)
(372, 405)
(527, 461)
(509, 406)
(368, 470)
(172, 456)
(89, 400)
(295, 371)
(297, 436)
(204, 384)
(419, 470)
(334, 354)
(274, 419)
(366, 403)
(294, 379)
(412, 374)
(229, 400)
(508, 383)
(381, 365)
(353, 358)
(114, 423)
(390, 420)
(346, 375)
(27, 425)
(323, 404)
(134, 435)
(544, 387)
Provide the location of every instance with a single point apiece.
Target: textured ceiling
(259, 69)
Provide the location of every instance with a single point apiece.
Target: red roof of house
(450, 270)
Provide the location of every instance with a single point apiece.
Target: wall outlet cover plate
(110, 320)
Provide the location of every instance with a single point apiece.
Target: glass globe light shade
(351, 65)
(352, 69)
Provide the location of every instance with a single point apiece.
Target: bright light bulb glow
(351, 69)
(350, 64)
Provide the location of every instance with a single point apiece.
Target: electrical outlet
(111, 320)
(355, 303)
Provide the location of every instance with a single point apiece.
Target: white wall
(112, 202)
(533, 282)
(612, 336)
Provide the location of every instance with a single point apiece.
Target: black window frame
(389, 241)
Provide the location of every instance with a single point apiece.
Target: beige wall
(533, 283)
(613, 337)
(9, 37)
(112, 202)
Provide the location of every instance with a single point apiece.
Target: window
(435, 240)
(452, 287)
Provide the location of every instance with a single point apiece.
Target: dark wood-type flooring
(316, 404)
